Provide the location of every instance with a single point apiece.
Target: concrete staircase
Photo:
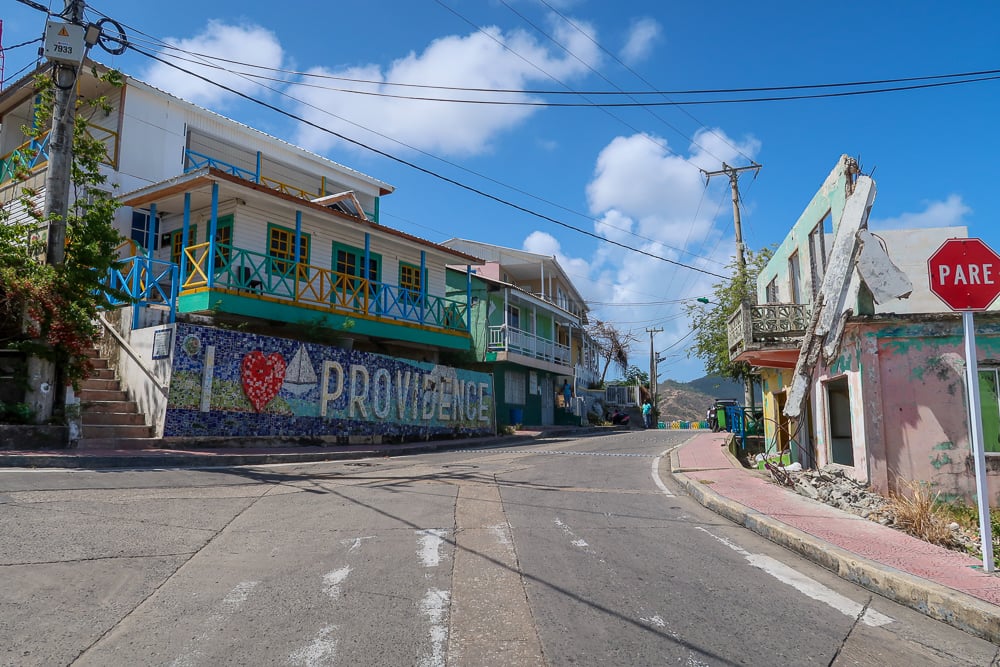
(110, 420)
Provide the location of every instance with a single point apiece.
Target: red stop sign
(965, 274)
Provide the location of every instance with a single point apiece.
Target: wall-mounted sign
(161, 343)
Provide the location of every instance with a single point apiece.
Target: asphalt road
(564, 552)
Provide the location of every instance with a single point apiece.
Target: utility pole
(734, 174)
(653, 359)
(57, 175)
(65, 46)
(741, 261)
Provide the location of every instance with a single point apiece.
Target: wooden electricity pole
(741, 261)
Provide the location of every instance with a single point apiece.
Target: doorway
(838, 407)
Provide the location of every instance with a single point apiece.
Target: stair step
(103, 374)
(113, 419)
(105, 384)
(99, 363)
(91, 395)
(119, 443)
(116, 432)
(109, 406)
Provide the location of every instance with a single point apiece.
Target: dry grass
(919, 514)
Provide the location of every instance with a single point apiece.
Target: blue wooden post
(423, 284)
(134, 291)
(468, 298)
(365, 273)
(185, 230)
(151, 231)
(257, 174)
(297, 250)
(212, 227)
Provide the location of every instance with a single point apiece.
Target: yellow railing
(287, 189)
(197, 266)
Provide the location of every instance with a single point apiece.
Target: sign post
(965, 275)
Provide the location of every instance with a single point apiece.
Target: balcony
(193, 160)
(504, 340)
(768, 335)
(251, 284)
(34, 154)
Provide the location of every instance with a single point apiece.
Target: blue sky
(627, 174)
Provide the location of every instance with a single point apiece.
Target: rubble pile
(832, 486)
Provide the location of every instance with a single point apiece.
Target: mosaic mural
(232, 383)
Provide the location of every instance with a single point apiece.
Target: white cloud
(246, 43)
(487, 59)
(947, 213)
(643, 35)
(652, 199)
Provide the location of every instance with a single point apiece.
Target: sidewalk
(223, 452)
(946, 585)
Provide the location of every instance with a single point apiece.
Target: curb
(224, 458)
(939, 602)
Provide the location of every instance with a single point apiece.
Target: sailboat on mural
(300, 376)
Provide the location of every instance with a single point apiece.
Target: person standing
(647, 414)
(567, 391)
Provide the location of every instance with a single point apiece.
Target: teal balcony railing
(26, 156)
(258, 275)
(142, 282)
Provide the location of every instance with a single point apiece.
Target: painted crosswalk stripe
(805, 585)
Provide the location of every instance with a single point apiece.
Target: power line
(427, 171)
(597, 221)
(588, 104)
(556, 92)
(641, 78)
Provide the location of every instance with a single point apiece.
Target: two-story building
(256, 242)
(529, 329)
(884, 390)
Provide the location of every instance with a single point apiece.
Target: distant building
(529, 329)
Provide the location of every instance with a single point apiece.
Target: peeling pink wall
(922, 409)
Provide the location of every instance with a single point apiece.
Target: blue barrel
(517, 415)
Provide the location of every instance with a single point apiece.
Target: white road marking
(580, 543)
(435, 607)
(656, 474)
(332, 581)
(655, 620)
(807, 586)
(229, 605)
(356, 542)
(320, 652)
(430, 544)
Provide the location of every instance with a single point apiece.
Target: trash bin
(720, 416)
(517, 415)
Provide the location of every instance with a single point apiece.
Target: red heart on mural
(262, 377)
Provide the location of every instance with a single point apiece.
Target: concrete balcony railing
(767, 326)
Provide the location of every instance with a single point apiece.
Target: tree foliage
(636, 376)
(709, 321)
(50, 311)
(612, 345)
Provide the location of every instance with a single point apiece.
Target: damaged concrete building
(861, 366)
